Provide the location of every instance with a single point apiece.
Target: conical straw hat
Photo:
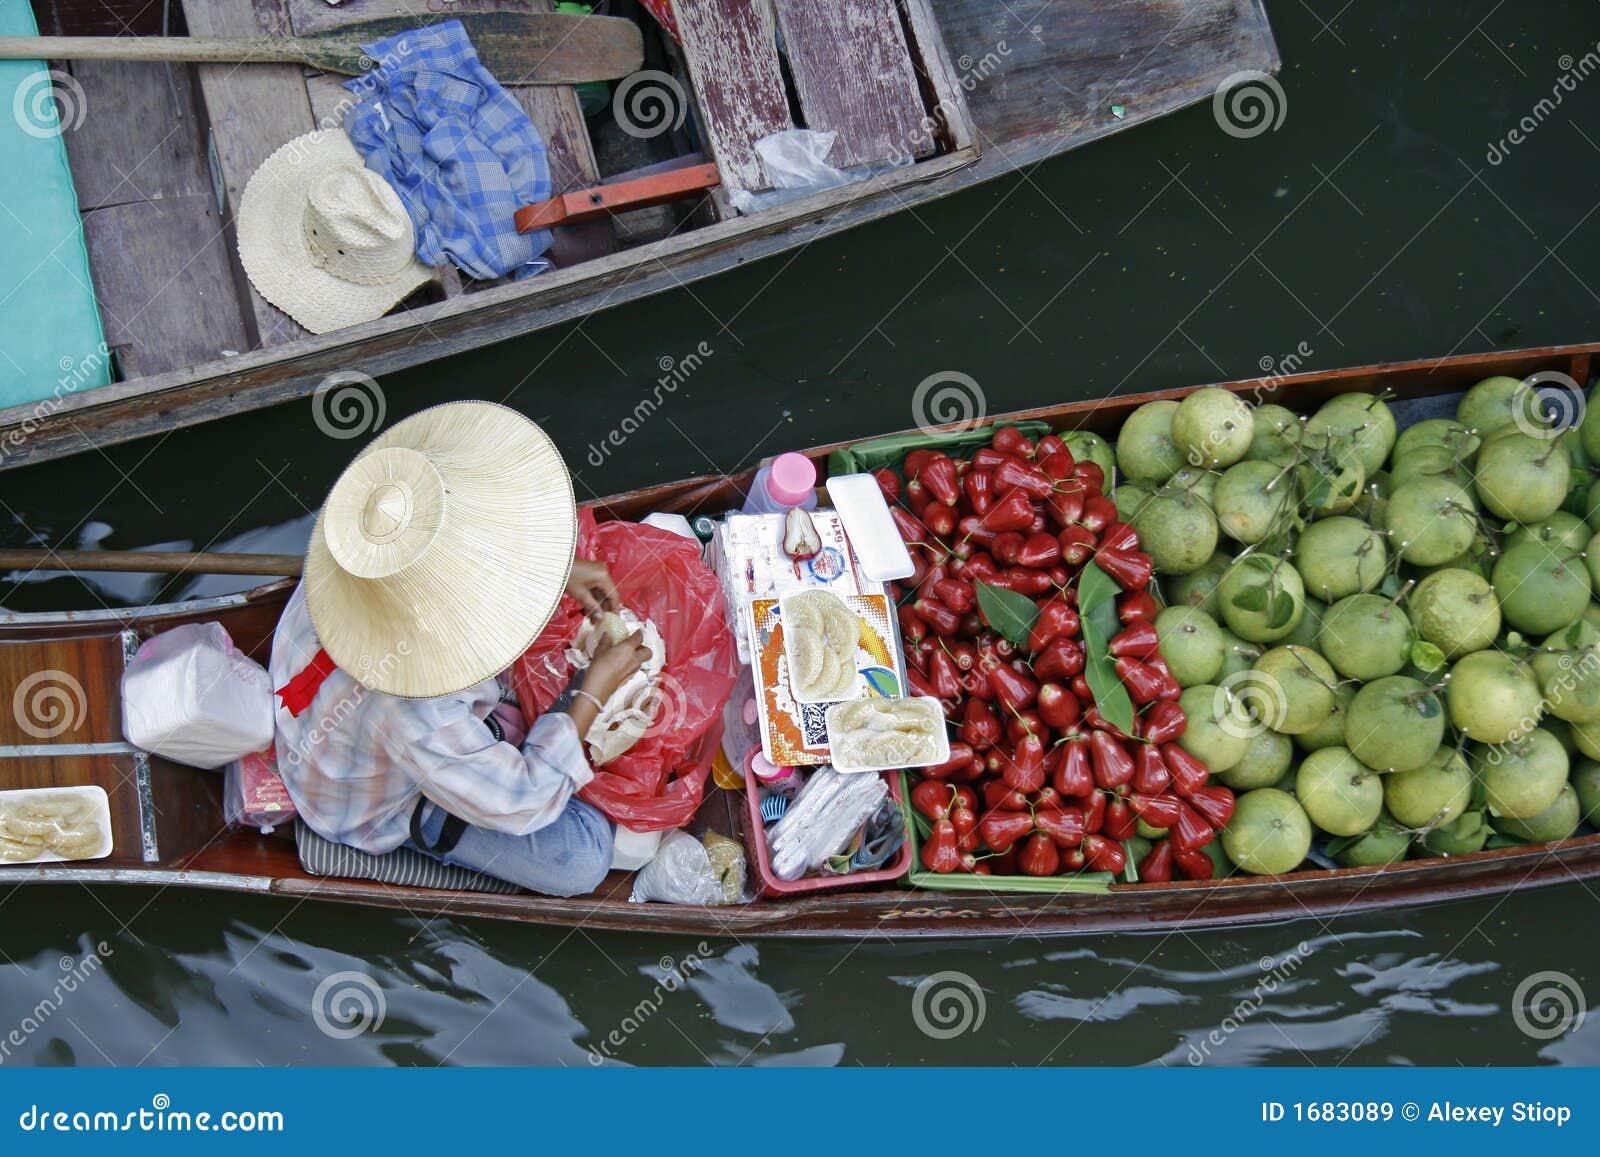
(442, 550)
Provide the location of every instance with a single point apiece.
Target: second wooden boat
(168, 829)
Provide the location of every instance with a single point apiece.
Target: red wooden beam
(640, 193)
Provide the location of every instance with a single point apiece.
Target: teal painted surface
(50, 338)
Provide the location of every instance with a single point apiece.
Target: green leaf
(1130, 871)
(1426, 656)
(1251, 599)
(1390, 586)
(1280, 609)
(1007, 612)
(1097, 610)
(1334, 847)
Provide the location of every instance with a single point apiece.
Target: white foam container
(98, 800)
(924, 703)
(857, 682)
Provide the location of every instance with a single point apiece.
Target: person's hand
(592, 585)
(613, 664)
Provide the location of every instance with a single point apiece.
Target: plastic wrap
(822, 820)
(193, 697)
(660, 781)
(253, 795)
(688, 871)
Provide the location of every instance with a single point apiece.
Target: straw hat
(442, 550)
(324, 238)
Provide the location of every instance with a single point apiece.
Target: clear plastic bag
(193, 697)
(795, 161)
(253, 795)
(690, 871)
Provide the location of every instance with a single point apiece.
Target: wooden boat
(169, 831)
(971, 88)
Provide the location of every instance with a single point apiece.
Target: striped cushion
(402, 866)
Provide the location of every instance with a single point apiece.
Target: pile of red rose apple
(1062, 729)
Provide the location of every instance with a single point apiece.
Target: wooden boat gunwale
(244, 862)
(70, 421)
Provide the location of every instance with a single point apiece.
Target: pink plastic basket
(756, 838)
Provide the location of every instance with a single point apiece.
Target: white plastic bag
(686, 871)
(193, 697)
(795, 161)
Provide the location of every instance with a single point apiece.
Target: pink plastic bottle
(789, 480)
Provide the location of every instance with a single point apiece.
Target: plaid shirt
(356, 761)
(458, 149)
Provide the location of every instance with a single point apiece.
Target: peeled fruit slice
(1177, 531)
(1556, 822)
(1341, 556)
(1540, 592)
(1339, 793)
(1213, 428)
(1432, 795)
(1493, 697)
(1253, 499)
(1191, 643)
(1456, 611)
(1522, 477)
(1394, 724)
(1145, 452)
(1521, 778)
(1269, 833)
(1266, 761)
(1567, 665)
(1296, 689)
(1431, 520)
(1385, 843)
(1219, 728)
(1365, 637)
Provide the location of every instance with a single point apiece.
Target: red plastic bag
(659, 782)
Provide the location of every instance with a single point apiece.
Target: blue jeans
(568, 858)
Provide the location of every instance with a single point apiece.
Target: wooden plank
(164, 277)
(252, 110)
(61, 691)
(141, 142)
(113, 773)
(853, 72)
(731, 49)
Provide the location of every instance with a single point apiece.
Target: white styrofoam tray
(99, 802)
(924, 703)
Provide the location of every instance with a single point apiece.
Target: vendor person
(440, 555)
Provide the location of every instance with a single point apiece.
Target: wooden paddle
(152, 562)
(516, 47)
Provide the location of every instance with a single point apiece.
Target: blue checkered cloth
(460, 152)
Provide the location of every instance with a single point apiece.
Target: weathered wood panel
(140, 140)
(853, 71)
(252, 110)
(731, 49)
(99, 18)
(163, 273)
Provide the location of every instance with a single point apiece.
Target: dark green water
(1370, 226)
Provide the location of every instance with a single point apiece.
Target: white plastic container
(193, 697)
(922, 704)
(789, 480)
(99, 809)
